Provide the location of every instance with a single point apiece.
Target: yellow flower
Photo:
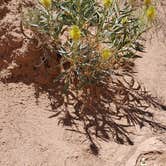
(46, 3)
(75, 33)
(107, 3)
(106, 54)
(151, 13)
(147, 2)
(124, 20)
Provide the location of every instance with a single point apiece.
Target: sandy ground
(29, 138)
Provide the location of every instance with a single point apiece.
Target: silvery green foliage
(117, 28)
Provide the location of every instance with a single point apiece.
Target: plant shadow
(106, 111)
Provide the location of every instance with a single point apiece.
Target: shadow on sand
(105, 111)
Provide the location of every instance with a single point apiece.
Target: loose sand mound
(28, 137)
(22, 58)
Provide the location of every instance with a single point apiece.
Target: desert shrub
(96, 41)
(93, 38)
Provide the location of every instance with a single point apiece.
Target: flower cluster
(46, 3)
(151, 13)
(75, 33)
(107, 3)
(106, 53)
